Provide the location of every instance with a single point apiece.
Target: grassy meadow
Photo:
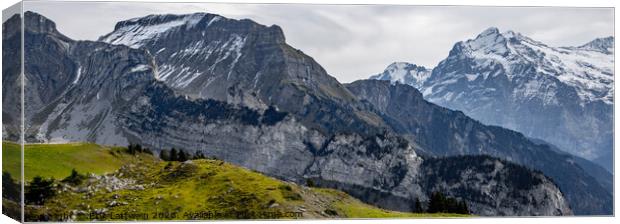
(118, 186)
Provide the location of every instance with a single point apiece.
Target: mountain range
(562, 95)
(235, 90)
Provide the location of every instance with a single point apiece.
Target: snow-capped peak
(605, 45)
(404, 73)
(492, 40)
(400, 66)
(563, 95)
(489, 41)
(134, 32)
(491, 31)
(588, 68)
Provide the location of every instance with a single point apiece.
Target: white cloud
(356, 41)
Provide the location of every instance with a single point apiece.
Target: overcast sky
(355, 41)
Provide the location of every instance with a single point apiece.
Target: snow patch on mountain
(589, 68)
(235, 46)
(215, 19)
(404, 73)
(136, 33)
(137, 30)
(180, 76)
(589, 71)
(78, 74)
(140, 68)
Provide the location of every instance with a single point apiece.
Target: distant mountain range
(563, 95)
(442, 132)
(233, 89)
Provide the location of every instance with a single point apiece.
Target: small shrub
(331, 212)
(289, 194)
(285, 187)
(310, 183)
(74, 179)
(168, 165)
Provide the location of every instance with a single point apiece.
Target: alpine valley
(235, 90)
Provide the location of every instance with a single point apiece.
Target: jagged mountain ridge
(114, 98)
(513, 81)
(444, 132)
(242, 62)
(604, 45)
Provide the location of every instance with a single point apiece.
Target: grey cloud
(355, 41)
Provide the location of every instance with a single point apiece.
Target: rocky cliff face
(242, 62)
(91, 81)
(454, 174)
(11, 79)
(444, 132)
(114, 94)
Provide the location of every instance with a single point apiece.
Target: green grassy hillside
(57, 160)
(140, 186)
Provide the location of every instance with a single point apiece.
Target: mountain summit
(241, 62)
(404, 73)
(510, 80)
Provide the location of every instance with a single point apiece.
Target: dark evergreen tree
(131, 149)
(417, 207)
(138, 148)
(439, 203)
(310, 183)
(147, 150)
(199, 155)
(164, 155)
(10, 189)
(182, 156)
(174, 156)
(463, 208)
(39, 190)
